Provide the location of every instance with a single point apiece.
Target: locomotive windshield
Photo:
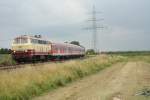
(21, 40)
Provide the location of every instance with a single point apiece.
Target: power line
(95, 27)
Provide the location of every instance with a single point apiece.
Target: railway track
(10, 67)
(23, 65)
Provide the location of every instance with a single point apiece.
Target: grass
(138, 57)
(133, 55)
(25, 83)
(6, 59)
(145, 58)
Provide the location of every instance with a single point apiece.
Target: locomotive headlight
(14, 51)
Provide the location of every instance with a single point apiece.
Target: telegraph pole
(95, 27)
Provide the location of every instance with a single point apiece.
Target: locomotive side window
(42, 42)
(36, 41)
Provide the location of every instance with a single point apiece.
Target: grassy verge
(137, 57)
(145, 58)
(6, 59)
(25, 83)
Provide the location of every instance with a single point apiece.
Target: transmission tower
(95, 27)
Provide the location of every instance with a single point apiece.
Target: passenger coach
(32, 48)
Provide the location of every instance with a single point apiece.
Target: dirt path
(119, 82)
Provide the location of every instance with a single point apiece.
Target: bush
(6, 59)
(91, 52)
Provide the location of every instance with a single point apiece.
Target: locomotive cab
(20, 44)
(29, 48)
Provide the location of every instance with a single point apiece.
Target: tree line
(5, 51)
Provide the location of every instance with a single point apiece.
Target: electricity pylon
(95, 27)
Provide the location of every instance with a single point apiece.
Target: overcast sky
(127, 22)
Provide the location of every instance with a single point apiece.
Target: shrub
(6, 59)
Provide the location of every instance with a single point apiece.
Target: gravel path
(119, 82)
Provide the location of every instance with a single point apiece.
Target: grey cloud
(62, 20)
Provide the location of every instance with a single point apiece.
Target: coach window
(56, 49)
